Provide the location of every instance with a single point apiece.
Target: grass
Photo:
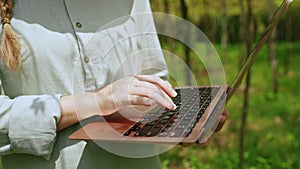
(271, 131)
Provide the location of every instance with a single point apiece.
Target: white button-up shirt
(68, 47)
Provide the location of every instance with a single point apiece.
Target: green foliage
(271, 133)
(207, 15)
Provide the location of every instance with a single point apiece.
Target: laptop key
(176, 133)
(186, 132)
(163, 134)
(136, 127)
(143, 131)
(153, 132)
(127, 133)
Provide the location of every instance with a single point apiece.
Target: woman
(58, 68)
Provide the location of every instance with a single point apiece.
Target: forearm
(75, 108)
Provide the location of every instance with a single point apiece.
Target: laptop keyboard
(191, 104)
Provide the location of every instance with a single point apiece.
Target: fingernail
(174, 93)
(173, 106)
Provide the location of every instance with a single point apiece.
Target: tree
(272, 50)
(224, 38)
(249, 34)
(288, 39)
(184, 11)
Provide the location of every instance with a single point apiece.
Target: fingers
(147, 87)
(138, 100)
(149, 96)
(222, 121)
(164, 85)
(142, 90)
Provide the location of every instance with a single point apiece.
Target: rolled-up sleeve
(28, 124)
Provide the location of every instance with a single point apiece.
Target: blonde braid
(10, 45)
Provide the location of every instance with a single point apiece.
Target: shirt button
(78, 24)
(86, 59)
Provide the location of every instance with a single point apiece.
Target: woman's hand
(222, 121)
(141, 90)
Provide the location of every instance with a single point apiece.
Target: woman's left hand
(222, 121)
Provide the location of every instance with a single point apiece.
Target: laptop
(193, 121)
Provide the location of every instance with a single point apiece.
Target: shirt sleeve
(28, 124)
(154, 61)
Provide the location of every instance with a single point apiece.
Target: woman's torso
(59, 56)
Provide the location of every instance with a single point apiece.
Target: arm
(143, 90)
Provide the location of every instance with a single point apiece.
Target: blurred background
(262, 128)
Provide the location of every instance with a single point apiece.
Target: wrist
(75, 108)
(105, 102)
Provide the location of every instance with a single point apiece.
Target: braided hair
(10, 45)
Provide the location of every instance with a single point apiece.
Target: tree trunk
(272, 51)
(163, 24)
(288, 39)
(242, 32)
(184, 12)
(250, 34)
(224, 39)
